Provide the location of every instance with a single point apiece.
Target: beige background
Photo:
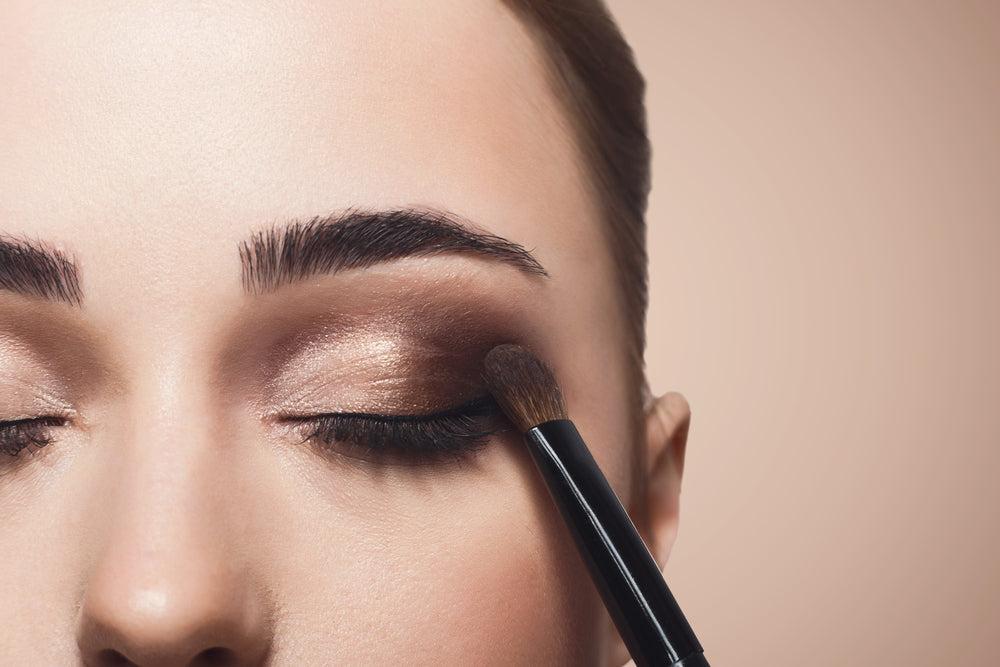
(825, 241)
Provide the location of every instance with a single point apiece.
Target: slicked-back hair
(597, 80)
(595, 76)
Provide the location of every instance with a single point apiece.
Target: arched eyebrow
(357, 238)
(32, 268)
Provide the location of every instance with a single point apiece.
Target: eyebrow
(358, 238)
(32, 268)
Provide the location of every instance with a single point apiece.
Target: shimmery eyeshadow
(381, 369)
(388, 344)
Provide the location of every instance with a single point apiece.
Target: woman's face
(176, 508)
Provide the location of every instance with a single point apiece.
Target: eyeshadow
(374, 343)
(73, 354)
(382, 369)
(27, 386)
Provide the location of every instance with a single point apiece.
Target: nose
(168, 625)
(169, 586)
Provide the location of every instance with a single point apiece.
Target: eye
(447, 435)
(20, 434)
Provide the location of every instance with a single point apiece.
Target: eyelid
(19, 434)
(447, 435)
(479, 406)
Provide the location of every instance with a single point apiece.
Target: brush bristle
(523, 386)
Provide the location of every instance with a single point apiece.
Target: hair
(603, 92)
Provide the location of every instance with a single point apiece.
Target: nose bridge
(168, 585)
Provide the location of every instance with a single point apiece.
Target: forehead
(149, 139)
(216, 116)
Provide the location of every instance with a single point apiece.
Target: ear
(668, 419)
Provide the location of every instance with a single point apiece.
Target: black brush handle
(638, 600)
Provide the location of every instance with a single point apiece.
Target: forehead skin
(148, 139)
(170, 130)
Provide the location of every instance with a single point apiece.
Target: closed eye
(19, 434)
(448, 435)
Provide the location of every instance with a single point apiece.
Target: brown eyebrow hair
(32, 268)
(358, 238)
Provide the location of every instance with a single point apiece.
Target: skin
(168, 522)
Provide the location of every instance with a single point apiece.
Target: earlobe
(668, 420)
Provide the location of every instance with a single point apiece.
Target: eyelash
(449, 435)
(20, 434)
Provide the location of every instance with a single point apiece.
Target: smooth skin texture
(167, 523)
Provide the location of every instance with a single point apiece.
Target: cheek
(514, 591)
(488, 577)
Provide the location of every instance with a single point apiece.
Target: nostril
(217, 656)
(112, 658)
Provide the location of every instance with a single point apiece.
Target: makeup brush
(625, 573)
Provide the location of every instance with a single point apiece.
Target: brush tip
(523, 385)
